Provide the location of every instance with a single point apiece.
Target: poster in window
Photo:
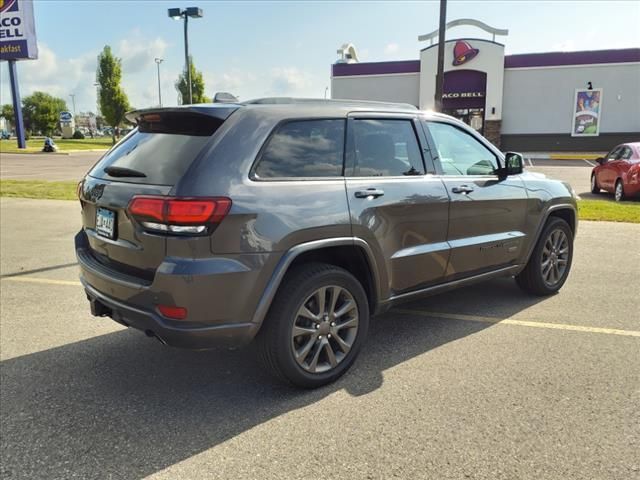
(587, 106)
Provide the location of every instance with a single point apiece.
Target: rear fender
(288, 258)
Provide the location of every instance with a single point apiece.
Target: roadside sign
(17, 30)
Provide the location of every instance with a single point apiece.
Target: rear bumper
(196, 338)
(220, 295)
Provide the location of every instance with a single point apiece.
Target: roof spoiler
(219, 111)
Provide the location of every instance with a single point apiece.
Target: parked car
(5, 135)
(618, 172)
(291, 222)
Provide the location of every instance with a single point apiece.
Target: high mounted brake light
(179, 215)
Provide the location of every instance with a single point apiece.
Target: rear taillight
(179, 215)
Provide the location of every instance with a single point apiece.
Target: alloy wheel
(555, 257)
(619, 192)
(325, 329)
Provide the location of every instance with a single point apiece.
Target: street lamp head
(194, 12)
(159, 60)
(175, 13)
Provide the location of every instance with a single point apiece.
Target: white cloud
(58, 77)
(62, 77)
(391, 49)
(289, 80)
(138, 54)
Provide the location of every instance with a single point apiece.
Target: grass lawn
(600, 210)
(605, 210)
(38, 189)
(34, 145)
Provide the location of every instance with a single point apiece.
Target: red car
(618, 172)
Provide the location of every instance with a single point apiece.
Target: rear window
(303, 149)
(162, 148)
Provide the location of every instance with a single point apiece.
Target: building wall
(539, 100)
(401, 88)
(490, 60)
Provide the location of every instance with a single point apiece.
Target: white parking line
(590, 163)
(422, 313)
(530, 162)
(521, 323)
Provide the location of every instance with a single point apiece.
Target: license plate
(105, 222)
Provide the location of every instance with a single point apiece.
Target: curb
(563, 156)
(64, 152)
(575, 156)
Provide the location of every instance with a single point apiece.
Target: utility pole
(73, 99)
(97, 85)
(440, 72)
(158, 62)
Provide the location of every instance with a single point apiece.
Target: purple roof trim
(549, 59)
(553, 59)
(375, 68)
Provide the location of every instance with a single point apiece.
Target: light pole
(73, 99)
(440, 72)
(97, 85)
(176, 14)
(325, 92)
(158, 62)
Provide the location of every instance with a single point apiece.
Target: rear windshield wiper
(123, 172)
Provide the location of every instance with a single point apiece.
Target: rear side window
(160, 151)
(386, 148)
(306, 148)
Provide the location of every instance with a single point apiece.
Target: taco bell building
(567, 101)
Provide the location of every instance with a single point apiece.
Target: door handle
(464, 189)
(369, 192)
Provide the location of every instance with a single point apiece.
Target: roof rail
(329, 101)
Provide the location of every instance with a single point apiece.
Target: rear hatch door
(148, 161)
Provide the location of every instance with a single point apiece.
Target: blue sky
(255, 49)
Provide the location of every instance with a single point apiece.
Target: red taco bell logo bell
(463, 52)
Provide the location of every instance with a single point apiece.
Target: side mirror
(513, 163)
(600, 160)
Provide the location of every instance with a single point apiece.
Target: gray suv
(292, 222)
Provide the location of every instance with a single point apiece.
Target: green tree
(41, 112)
(197, 86)
(113, 101)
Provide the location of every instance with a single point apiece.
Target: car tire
(618, 193)
(332, 340)
(550, 262)
(595, 189)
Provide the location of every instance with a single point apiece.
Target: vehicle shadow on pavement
(123, 406)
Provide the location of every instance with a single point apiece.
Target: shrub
(78, 135)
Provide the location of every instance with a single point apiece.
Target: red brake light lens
(168, 211)
(189, 211)
(147, 207)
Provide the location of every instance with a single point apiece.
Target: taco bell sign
(17, 30)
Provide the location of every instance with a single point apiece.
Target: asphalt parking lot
(484, 382)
